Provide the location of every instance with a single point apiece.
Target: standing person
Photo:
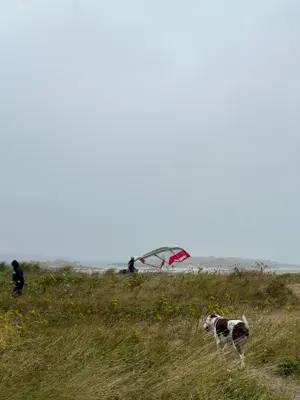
(17, 278)
(131, 265)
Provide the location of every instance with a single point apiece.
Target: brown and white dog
(229, 331)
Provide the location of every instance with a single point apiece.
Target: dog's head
(208, 322)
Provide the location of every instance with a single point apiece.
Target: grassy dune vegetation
(79, 337)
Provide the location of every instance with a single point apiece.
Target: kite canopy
(162, 256)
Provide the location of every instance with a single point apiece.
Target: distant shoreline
(206, 264)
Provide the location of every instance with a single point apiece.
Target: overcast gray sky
(126, 125)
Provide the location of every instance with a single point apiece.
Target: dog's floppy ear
(213, 316)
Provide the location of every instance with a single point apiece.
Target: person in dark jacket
(17, 278)
(131, 267)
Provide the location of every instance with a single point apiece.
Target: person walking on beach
(17, 278)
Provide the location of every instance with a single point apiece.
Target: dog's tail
(244, 319)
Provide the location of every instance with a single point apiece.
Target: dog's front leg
(220, 350)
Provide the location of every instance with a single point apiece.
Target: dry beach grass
(74, 336)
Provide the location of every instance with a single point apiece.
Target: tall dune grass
(73, 336)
